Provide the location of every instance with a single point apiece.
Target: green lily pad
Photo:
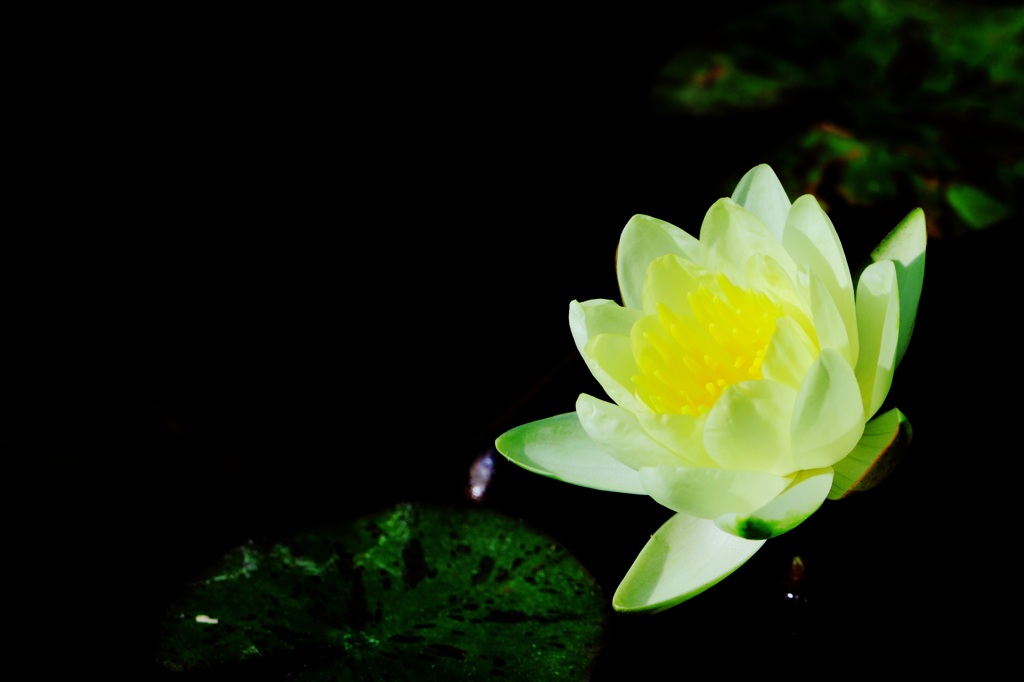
(411, 593)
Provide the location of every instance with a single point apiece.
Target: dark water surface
(283, 274)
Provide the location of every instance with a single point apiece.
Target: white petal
(829, 416)
(610, 358)
(829, 325)
(749, 427)
(878, 320)
(766, 275)
(599, 316)
(790, 354)
(785, 512)
(600, 329)
(682, 559)
(621, 435)
(669, 280)
(558, 447)
(811, 240)
(730, 235)
(761, 193)
(642, 240)
(708, 493)
(680, 433)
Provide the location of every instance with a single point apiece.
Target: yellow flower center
(687, 360)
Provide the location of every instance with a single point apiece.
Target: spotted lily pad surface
(411, 593)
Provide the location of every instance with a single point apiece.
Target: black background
(275, 271)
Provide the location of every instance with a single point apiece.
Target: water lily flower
(745, 371)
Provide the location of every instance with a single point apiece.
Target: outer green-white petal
(828, 419)
(682, 559)
(878, 320)
(905, 247)
(620, 434)
(748, 427)
(642, 240)
(730, 235)
(708, 493)
(558, 447)
(600, 329)
(785, 512)
(760, 192)
(812, 240)
(885, 439)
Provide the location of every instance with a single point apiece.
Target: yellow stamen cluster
(687, 360)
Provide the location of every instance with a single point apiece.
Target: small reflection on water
(480, 473)
(795, 578)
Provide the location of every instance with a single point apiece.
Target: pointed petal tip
(905, 246)
(684, 558)
(558, 447)
(906, 242)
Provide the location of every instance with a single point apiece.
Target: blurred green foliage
(880, 100)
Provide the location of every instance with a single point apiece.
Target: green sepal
(885, 439)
